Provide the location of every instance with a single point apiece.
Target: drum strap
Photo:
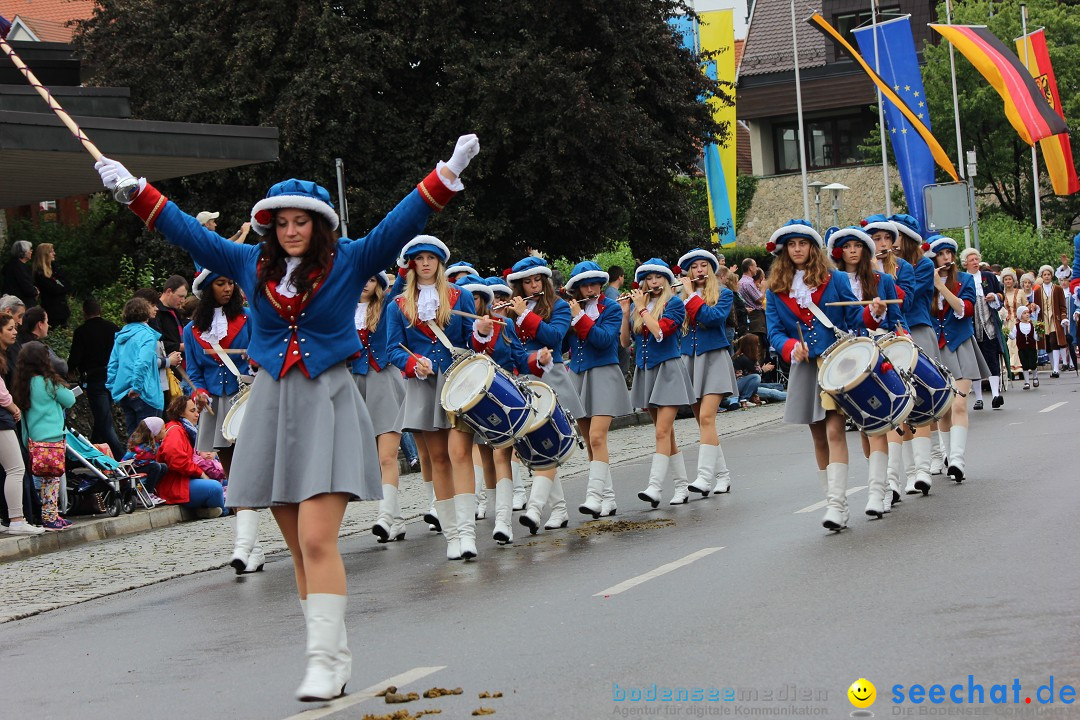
(227, 362)
(454, 351)
(820, 315)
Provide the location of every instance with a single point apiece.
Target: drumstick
(462, 313)
(187, 378)
(843, 303)
(802, 340)
(227, 351)
(416, 357)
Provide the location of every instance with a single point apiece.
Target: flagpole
(1034, 155)
(881, 113)
(798, 107)
(956, 119)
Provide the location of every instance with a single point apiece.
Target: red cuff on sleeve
(534, 367)
(868, 319)
(693, 305)
(148, 204)
(969, 309)
(434, 191)
(403, 272)
(199, 391)
(529, 325)
(788, 348)
(486, 348)
(668, 327)
(583, 326)
(900, 294)
(410, 367)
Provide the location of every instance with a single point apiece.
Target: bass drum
(230, 426)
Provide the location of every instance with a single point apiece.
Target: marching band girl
(311, 446)
(503, 293)
(854, 252)
(954, 308)
(923, 330)
(382, 387)
(661, 383)
(220, 320)
(707, 352)
(800, 280)
(542, 320)
(594, 370)
(420, 322)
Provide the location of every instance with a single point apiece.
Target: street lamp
(817, 185)
(836, 189)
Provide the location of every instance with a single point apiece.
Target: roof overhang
(41, 160)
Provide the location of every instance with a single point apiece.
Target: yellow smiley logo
(862, 693)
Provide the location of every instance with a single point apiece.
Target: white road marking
(662, 570)
(351, 699)
(1053, 407)
(818, 505)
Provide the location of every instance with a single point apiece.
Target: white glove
(111, 172)
(466, 149)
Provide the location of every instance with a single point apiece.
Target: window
(845, 23)
(830, 142)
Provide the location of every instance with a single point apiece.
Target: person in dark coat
(91, 346)
(169, 321)
(989, 298)
(17, 276)
(51, 291)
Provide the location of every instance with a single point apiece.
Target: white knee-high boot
(329, 663)
(938, 450)
(481, 492)
(945, 438)
(677, 465)
(908, 455)
(385, 521)
(594, 493)
(447, 511)
(504, 511)
(895, 472)
(541, 489)
(878, 470)
(920, 448)
(608, 506)
(247, 534)
(559, 517)
(657, 473)
(517, 472)
(722, 483)
(957, 448)
(431, 517)
(465, 505)
(836, 512)
(706, 470)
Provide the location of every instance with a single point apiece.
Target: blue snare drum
(932, 383)
(865, 385)
(487, 399)
(549, 439)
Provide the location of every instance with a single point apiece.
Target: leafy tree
(587, 111)
(1004, 161)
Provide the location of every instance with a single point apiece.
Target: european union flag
(898, 66)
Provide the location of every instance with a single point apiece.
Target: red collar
(235, 326)
(453, 294)
(302, 301)
(802, 313)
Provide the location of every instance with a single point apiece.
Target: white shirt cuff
(549, 366)
(581, 314)
(456, 185)
(879, 318)
(482, 338)
(521, 318)
(959, 315)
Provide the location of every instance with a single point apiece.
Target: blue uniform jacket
(707, 324)
(536, 333)
(650, 352)
(917, 302)
(894, 319)
(422, 341)
(324, 328)
(905, 285)
(782, 313)
(953, 330)
(374, 350)
(595, 343)
(205, 368)
(507, 351)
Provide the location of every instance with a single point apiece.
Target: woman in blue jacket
(801, 277)
(707, 351)
(954, 310)
(135, 365)
(595, 324)
(661, 383)
(312, 447)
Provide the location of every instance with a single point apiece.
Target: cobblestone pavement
(46, 582)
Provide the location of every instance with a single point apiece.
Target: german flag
(1025, 105)
(1057, 150)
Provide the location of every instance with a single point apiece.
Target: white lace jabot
(219, 328)
(592, 308)
(360, 317)
(856, 285)
(803, 295)
(428, 303)
(285, 287)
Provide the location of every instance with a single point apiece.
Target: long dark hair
(545, 303)
(33, 361)
(204, 311)
(750, 346)
(5, 320)
(313, 265)
(864, 271)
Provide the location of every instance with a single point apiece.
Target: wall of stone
(779, 198)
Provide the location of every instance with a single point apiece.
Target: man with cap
(209, 220)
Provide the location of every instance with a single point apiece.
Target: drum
(865, 385)
(549, 438)
(931, 383)
(486, 398)
(230, 426)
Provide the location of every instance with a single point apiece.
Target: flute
(845, 303)
(500, 306)
(657, 291)
(946, 266)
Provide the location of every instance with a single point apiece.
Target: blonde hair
(412, 293)
(42, 262)
(782, 272)
(661, 302)
(710, 293)
(374, 306)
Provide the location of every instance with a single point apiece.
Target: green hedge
(1009, 242)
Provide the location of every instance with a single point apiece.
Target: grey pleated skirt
(302, 437)
(967, 362)
(803, 405)
(423, 410)
(384, 394)
(712, 373)
(602, 391)
(925, 337)
(666, 385)
(559, 381)
(209, 437)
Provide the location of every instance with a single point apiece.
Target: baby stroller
(97, 483)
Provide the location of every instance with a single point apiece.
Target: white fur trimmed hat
(584, 273)
(878, 222)
(792, 229)
(699, 254)
(938, 243)
(654, 265)
(498, 285)
(423, 243)
(526, 267)
(292, 193)
(837, 240)
(475, 284)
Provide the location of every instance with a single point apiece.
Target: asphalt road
(758, 603)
